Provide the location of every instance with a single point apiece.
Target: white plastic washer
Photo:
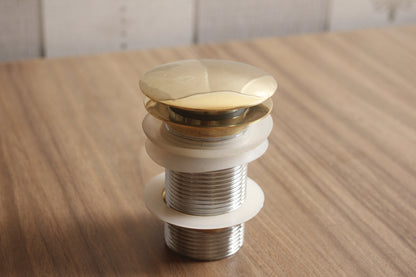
(198, 156)
(254, 135)
(155, 203)
(194, 165)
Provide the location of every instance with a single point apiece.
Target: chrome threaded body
(206, 193)
(204, 244)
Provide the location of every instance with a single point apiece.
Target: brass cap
(208, 85)
(203, 94)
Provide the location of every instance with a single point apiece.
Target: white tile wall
(30, 28)
(74, 27)
(235, 19)
(355, 14)
(20, 29)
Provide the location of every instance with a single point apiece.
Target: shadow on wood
(124, 245)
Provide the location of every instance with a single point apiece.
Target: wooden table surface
(339, 175)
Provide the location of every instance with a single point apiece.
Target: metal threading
(205, 194)
(169, 131)
(204, 244)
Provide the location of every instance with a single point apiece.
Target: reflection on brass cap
(208, 97)
(208, 85)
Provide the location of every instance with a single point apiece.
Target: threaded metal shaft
(206, 193)
(204, 244)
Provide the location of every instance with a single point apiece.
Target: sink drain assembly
(207, 120)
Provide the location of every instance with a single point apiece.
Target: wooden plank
(357, 14)
(80, 27)
(339, 175)
(225, 20)
(20, 29)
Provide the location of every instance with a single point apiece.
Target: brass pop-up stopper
(208, 119)
(208, 97)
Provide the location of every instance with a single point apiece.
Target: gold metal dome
(208, 97)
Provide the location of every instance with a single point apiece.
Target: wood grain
(339, 176)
